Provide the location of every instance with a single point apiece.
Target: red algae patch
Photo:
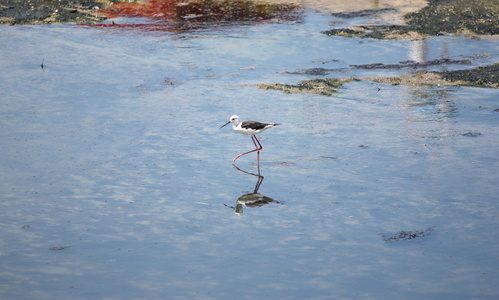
(178, 16)
(150, 9)
(205, 11)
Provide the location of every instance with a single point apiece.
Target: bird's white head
(234, 120)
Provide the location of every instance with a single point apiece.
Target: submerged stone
(408, 235)
(472, 134)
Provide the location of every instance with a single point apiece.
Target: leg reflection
(252, 199)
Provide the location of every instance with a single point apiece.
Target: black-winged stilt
(249, 128)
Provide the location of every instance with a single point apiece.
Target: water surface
(117, 183)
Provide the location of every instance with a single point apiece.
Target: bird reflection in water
(252, 199)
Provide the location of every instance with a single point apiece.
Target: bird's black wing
(253, 125)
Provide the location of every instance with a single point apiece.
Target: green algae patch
(486, 76)
(327, 87)
(474, 17)
(416, 79)
(456, 16)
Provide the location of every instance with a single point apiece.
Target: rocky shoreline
(476, 18)
(486, 76)
(471, 17)
(24, 12)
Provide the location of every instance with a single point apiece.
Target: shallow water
(112, 154)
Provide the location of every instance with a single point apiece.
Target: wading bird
(249, 128)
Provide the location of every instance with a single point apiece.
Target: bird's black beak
(224, 125)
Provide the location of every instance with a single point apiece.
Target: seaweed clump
(486, 76)
(454, 16)
(327, 87)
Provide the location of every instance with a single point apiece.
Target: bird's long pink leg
(255, 140)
